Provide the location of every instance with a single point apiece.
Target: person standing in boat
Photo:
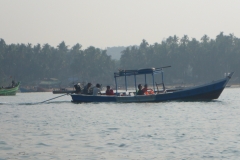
(96, 90)
(140, 91)
(86, 89)
(109, 91)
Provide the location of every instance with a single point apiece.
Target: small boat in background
(76, 89)
(7, 91)
(64, 91)
(47, 84)
(28, 89)
(42, 89)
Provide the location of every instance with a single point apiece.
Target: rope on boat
(54, 98)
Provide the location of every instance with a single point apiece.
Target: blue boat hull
(203, 92)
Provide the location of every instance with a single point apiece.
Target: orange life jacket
(149, 92)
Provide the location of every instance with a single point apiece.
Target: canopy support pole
(145, 79)
(116, 84)
(125, 81)
(163, 81)
(153, 82)
(135, 82)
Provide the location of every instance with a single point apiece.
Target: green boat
(7, 91)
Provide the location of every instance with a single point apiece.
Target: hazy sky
(107, 23)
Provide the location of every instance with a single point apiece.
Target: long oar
(54, 98)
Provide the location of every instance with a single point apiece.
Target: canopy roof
(139, 71)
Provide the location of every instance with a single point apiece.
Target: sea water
(59, 129)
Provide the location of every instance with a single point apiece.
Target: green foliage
(30, 64)
(115, 52)
(192, 61)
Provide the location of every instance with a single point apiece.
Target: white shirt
(96, 91)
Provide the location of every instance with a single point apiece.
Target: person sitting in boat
(78, 88)
(147, 90)
(13, 83)
(140, 91)
(96, 90)
(86, 89)
(109, 91)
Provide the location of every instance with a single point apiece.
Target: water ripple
(59, 129)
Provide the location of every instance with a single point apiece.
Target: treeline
(31, 64)
(192, 61)
(115, 52)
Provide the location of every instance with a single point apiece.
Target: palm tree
(62, 47)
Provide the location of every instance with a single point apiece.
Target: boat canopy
(143, 71)
(138, 72)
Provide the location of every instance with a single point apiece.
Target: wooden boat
(63, 91)
(47, 84)
(7, 91)
(207, 91)
(42, 89)
(28, 89)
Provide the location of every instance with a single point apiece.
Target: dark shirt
(77, 88)
(140, 92)
(13, 83)
(86, 90)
